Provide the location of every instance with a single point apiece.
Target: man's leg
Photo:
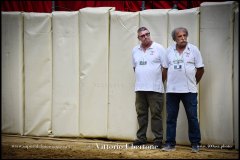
(173, 101)
(190, 103)
(155, 101)
(142, 115)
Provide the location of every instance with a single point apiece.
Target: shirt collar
(151, 47)
(187, 47)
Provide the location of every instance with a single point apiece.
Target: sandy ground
(25, 147)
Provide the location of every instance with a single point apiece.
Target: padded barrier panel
(189, 19)
(156, 20)
(216, 97)
(122, 118)
(236, 79)
(218, 106)
(65, 111)
(94, 44)
(38, 73)
(12, 72)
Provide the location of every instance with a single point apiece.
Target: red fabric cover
(130, 6)
(27, 6)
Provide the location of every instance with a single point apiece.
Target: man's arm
(164, 74)
(199, 74)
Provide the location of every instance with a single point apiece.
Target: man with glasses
(149, 64)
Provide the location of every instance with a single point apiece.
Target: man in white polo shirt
(185, 69)
(149, 64)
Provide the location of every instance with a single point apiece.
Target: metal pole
(175, 5)
(143, 5)
(53, 6)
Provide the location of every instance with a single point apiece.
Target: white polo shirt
(148, 67)
(182, 69)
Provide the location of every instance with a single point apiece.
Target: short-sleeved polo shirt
(182, 69)
(148, 67)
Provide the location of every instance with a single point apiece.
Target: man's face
(181, 38)
(144, 36)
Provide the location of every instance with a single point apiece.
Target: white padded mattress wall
(156, 20)
(38, 73)
(94, 43)
(236, 79)
(189, 19)
(216, 97)
(122, 119)
(12, 72)
(65, 111)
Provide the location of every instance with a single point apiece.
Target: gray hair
(177, 30)
(141, 29)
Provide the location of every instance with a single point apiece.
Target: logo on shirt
(152, 53)
(142, 62)
(187, 54)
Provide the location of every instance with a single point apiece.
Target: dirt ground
(26, 147)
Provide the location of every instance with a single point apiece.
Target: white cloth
(182, 69)
(148, 67)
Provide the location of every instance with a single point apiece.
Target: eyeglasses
(147, 35)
